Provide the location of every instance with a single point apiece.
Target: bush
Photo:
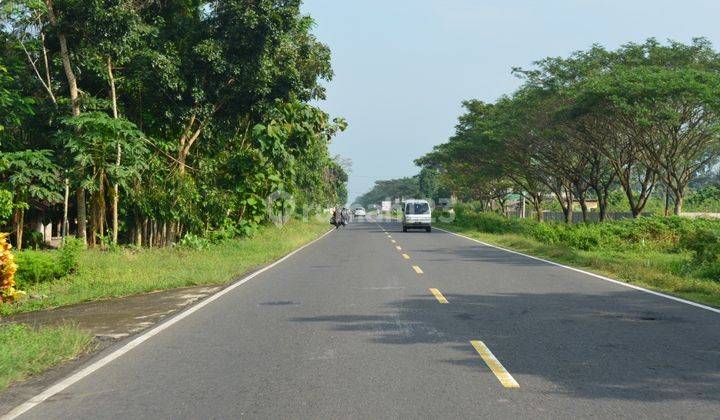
(705, 246)
(192, 241)
(69, 256)
(41, 266)
(488, 222)
(710, 271)
(546, 233)
(653, 233)
(37, 267)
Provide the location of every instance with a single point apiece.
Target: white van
(417, 214)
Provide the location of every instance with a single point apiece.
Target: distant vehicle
(417, 215)
(359, 212)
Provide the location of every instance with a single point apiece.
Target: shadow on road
(642, 349)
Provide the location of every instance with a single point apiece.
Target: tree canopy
(167, 117)
(641, 118)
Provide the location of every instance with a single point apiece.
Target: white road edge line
(86, 371)
(632, 286)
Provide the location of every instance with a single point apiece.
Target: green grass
(127, 272)
(25, 351)
(661, 271)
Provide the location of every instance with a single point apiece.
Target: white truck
(417, 214)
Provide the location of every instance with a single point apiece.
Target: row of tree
(426, 184)
(138, 121)
(642, 118)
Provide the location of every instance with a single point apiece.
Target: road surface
(370, 322)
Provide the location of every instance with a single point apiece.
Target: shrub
(35, 240)
(192, 241)
(581, 236)
(546, 233)
(710, 271)
(37, 267)
(41, 266)
(657, 232)
(704, 244)
(69, 256)
(487, 221)
(8, 268)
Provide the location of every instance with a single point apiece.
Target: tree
(93, 139)
(210, 102)
(33, 179)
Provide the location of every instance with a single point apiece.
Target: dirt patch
(116, 318)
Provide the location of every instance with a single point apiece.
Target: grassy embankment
(648, 253)
(105, 274)
(25, 351)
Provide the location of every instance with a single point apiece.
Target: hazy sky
(402, 67)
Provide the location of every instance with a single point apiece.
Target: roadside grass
(105, 274)
(25, 350)
(656, 270)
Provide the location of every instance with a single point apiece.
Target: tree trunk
(170, 238)
(65, 56)
(75, 102)
(602, 208)
(65, 223)
(116, 187)
(678, 203)
(98, 212)
(568, 210)
(81, 215)
(138, 231)
(19, 224)
(537, 205)
(583, 208)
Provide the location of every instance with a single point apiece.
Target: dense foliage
(701, 237)
(145, 121)
(642, 121)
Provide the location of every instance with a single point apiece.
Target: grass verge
(650, 269)
(127, 272)
(25, 351)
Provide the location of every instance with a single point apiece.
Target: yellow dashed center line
(399, 248)
(494, 364)
(417, 269)
(393, 241)
(439, 296)
(406, 256)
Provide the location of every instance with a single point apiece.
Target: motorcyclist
(336, 218)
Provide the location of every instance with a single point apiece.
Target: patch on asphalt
(636, 317)
(279, 303)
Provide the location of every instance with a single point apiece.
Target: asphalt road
(349, 328)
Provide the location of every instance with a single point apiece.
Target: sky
(403, 67)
